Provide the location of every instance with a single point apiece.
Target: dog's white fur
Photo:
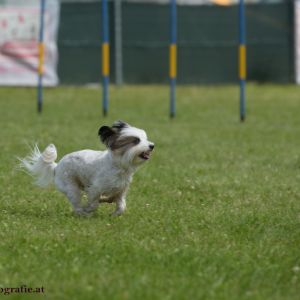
(103, 175)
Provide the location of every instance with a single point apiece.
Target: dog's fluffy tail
(40, 166)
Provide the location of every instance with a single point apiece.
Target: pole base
(39, 109)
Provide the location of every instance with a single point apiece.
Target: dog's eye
(136, 140)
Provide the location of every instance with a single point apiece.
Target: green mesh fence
(207, 43)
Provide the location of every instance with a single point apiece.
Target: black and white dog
(103, 175)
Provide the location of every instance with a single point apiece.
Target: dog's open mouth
(145, 155)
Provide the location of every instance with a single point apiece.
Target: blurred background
(139, 41)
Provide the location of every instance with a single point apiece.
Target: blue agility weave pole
(242, 60)
(173, 57)
(105, 57)
(41, 47)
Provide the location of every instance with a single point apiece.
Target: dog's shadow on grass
(55, 214)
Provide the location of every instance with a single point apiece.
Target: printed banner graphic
(19, 44)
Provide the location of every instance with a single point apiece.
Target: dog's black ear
(119, 125)
(106, 133)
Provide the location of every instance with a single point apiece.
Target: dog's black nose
(151, 146)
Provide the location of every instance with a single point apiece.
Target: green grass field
(215, 214)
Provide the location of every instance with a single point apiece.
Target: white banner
(19, 32)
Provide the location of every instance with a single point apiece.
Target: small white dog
(103, 175)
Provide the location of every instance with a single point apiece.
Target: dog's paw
(90, 208)
(116, 213)
(80, 212)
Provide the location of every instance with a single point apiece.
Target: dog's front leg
(120, 204)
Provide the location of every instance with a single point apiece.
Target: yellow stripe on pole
(41, 58)
(242, 62)
(105, 59)
(173, 60)
(223, 2)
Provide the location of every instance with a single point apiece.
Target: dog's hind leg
(93, 202)
(73, 193)
(74, 197)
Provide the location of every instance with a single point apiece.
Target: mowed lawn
(215, 213)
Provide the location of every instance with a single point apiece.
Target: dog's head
(129, 142)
